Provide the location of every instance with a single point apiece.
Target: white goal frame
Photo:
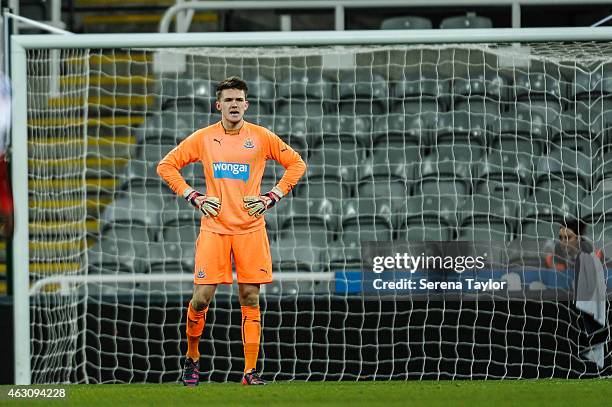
(21, 43)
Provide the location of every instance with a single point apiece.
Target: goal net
(491, 144)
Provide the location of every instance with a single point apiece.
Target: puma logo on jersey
(217, 140)
(284, 149)
(232, 170)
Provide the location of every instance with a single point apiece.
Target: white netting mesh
(57, 146)
(484, 143)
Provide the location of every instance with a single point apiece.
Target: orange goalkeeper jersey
(234, 164)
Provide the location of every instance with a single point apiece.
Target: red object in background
(6, 199)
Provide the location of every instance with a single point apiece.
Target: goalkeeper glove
(258, 205)
(210, 206)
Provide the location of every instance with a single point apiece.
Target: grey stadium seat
(462, 125)
(474, 82)
(507, 165)
(484, 231)
(585, 83)
(427, 209)
(539, 85)
(503, 190)
(305, 83)
(568, 164)
(470, 20)
(420, 85)
(532, 228)
(406, 23)
(366, 228)
(380, 188)
(191, 91)
(559, 187)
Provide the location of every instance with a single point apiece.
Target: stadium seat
(556, 202)
(482, 109)
(355, 207)
(406, 23)
(383, 189)
(533, 228)
(557, 190)
(114, 256)
(306, 231)
(492, 229)
(435, 185)
(600, 231)
(358, 127)
(362, 91)
(417, 125)
(398, 126)
(421, 84)
(393, 155)
(178, 212)
(318, 187)
(427, 231)
(169, 257)
(337, 159)
(309, 84)
(454, 159)
(189, 91)
(482, 207)
(476, 83)
(470, 20)
(524, 147)
(575, 142)
(531, 209)
(440, 210)
(290, 254)
(261, 94)
(463, 126)
(325, 210)
(444, 170)
(585, 83)
(508, 166)
(503, 190)
(576, 118)
(596, 206)
(134, 210)
(601, 118)
(365, 228)
(546, 111)
(602, 166)
(181, 231)
(300, 133)
(523, 125)
(568, 164)
(539, 85)
(299, 108)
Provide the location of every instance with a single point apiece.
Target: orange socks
(195, 326)
(251, 331)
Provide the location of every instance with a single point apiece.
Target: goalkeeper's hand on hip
(208, 205)
(258, 205)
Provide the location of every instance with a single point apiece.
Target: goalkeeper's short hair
(232, 82)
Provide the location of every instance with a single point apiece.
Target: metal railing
(339, 7)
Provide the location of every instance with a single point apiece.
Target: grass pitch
(297, 394)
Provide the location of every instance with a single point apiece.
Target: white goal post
(23, 292)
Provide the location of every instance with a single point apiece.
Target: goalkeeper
(233, 153)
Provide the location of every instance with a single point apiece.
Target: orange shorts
(250, 251)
